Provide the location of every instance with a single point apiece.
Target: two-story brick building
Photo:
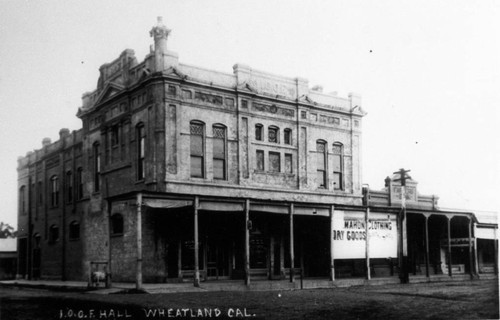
(182, 172)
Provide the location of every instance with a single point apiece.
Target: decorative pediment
(110, 90)
(247, 87)
(358, 110)
(174, 73)
(305, 98)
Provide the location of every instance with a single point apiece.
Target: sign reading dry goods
(349, 235)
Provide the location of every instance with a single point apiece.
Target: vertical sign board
(349, 235)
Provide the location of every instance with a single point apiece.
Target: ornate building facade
(182, 173)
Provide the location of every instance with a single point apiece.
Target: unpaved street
(452, 300)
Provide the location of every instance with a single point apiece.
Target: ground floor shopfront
(206, 238)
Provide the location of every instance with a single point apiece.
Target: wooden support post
(282, 257)
(367, 246)
(449, 247)
(332, 254)
(110, 255)
(427, 246)
(292, 255)
(196, 245)
(476, 263)
(271, 257)
(471, 262)
(179, 259)
(496, 250)
(247, 242)
(138, 276)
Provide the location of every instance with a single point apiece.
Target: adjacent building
(181, 172)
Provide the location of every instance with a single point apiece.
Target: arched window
(54, 191)
(321, 162)
(22, 200)
(273, 134)
(141, 151)
(69, 186)
(258, 132)
(116, 224)
(219, 151)
(287, 136)
(74, 230)
(338, 166)
(97, 167)
(197, 145)
(53, 233)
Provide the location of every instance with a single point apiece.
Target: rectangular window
(321, 164)
(260, 160)
(187, 94)
(79, 183)
(115, 136)
(288, 163)
(40, 193)
(141, 152)
(197, 150)
(337, 167)
(69, 186)
(54, 191)
(97, 168)
(22, 199)
(287, 136)
(244, 104)
(219, 152)
(274, 162)
(172, 90)
(258, 132)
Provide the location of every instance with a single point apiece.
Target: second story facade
(161, 125)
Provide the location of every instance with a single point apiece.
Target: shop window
(273, 134)
(74, 230)
(116, 224)
(274, 162)
(54, 191)
(141, 151)
(321, 157)
(53, 233)
(338, 166)
(258, 132)
(197, 130)
(219, 151)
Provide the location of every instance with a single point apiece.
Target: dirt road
(451, 300)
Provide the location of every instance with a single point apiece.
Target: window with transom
(219, 151)
(321, 156)
(197, 131)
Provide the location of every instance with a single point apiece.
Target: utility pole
(403, 261)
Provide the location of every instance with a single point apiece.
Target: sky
(428, 73)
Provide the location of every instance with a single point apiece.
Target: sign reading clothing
(349, 235)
